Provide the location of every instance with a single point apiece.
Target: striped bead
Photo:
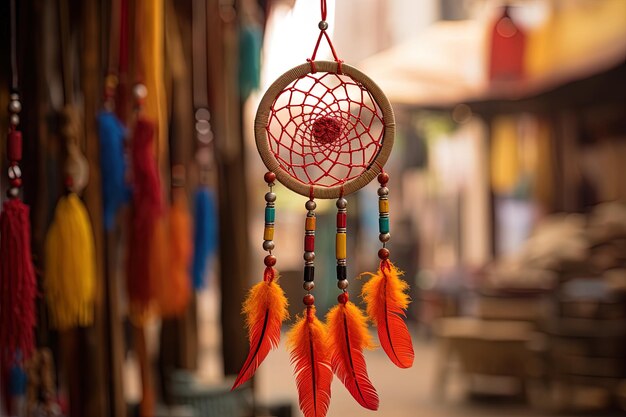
(268, 233)
(270, 214)
(383, 224)
(340, 246)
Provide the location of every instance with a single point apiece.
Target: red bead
(383, 253)
(14, 146)
(270, 260)
(269, 177)
(308, 300)
(343, 297)
(69, 182)
(309, 243)
(341, 220)
(16, 182)
(383, 178)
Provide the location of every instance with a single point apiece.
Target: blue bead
(270, 214)
(383, 224)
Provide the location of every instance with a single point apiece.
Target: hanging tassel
(205, 235)
(387, 302)
(265, 309)
(310, 356)
(146, 239)
(348, 336)
(18, 285)
(70, 265)
(115, 192)
(175, 289)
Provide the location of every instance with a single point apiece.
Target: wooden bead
(269, 177)
(308, 300)
(383, 178)
(270, 260)
(14, 146)
(383, 253)
(343, 298)
(309, 243)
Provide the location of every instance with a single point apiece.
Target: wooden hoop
(355, 184)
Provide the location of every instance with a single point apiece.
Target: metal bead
(15, 106)
(14, 172)
(342, 284)
(270, 197)
(14, 97)
(310, 205)
(15, 119)
(309, 256)
(140, 91)
(13, 192)
(308, 285)
(383, 191)
(322, 25)
(268, 245)
(384, 237)
(342, 203)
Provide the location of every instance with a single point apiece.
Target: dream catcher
(325, 130)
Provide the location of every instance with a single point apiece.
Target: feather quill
(347, 337)
(310, 357)
(387, 301)
(265, 309)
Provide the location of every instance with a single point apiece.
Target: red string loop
(323, 34)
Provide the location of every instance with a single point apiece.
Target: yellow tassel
(70, 265)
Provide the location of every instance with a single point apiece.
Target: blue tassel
(250, 40)
(17, 381)
(205, 235)
(115, 191)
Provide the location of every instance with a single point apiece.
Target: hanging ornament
(70, 265)
(18, 285)
(324, 130)
(385, 293)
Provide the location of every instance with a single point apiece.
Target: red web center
(326, 129)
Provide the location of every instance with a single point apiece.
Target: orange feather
(265, 309)
(310, 357)
(386, 298)
(348, 336)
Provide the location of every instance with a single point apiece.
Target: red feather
(265, 309)
(310, 357)
(348, 336)
(386, 302)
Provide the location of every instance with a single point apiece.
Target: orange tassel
(348, 336)
(386, 302)
(265, 309)
(310, 357)
(174, 291)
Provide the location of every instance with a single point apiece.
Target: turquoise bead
(383, 224)
(270, 214)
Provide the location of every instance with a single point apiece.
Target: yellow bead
(340, 246)
(383, 206)
(268, 234)
(310, 223)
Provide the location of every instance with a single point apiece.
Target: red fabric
(147, 208)
(18, 286)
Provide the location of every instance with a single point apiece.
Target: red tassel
(18, 285)
(147, 209)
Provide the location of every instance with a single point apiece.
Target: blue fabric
(115, 191)
(205, 235)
